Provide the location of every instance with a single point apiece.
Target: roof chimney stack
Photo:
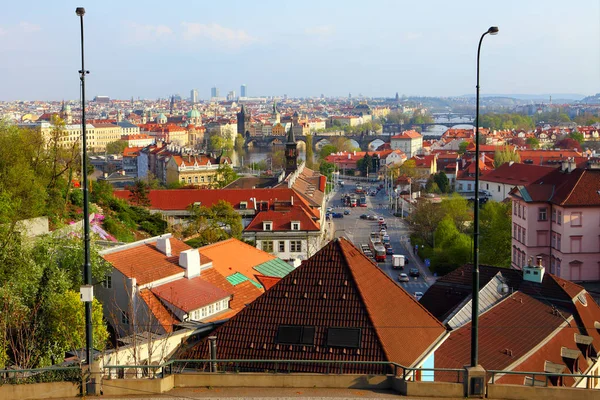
(190, 261)
(534, 273)
(163, 244)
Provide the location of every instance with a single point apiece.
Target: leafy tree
(213, 224)
(457, 208)
(462, 147)
(116, 147)
(577, 136)
(365, 164)
(327, 150)
(424, 219)
(505, 155)
(568, 143)
(431, 186)
(533, 142)
(495, 230)
(139, 193)
(309, 152)
(441, 179)
(225, 175)
(239, 142)
(408, 168)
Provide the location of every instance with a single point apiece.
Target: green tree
(533, 142)
(462, 147)
(424, 219)
(327, 150)
(239, 142)
(365, 164)
(309, 152)
(116, 147)
(139, 193)
(225, 175)
(505, 155)
(578, 136)
(495, 230)
(457, 208)
(441, 179)
(213, 224)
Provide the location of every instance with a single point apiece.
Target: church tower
(243, 121)
(291, 152)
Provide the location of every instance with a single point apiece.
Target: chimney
(292, 200)
(163, 244)
(534, 273)
(190, 261)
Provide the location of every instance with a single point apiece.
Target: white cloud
(217, 34)
(139, 33)
(321, 30)
(28, 27)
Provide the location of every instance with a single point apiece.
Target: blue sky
(153, 49)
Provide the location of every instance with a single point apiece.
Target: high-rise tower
(243, 90)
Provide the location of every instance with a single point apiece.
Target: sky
(150, 49)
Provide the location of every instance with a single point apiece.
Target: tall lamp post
(87, 294)
(475, 303)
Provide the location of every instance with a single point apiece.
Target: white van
(397, 261)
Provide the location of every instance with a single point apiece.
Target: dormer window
(243, 205)
(295, 225)
(267, 225)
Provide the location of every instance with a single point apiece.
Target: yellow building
(278, 130)
(197, 170)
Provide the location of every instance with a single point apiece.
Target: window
(559, 217)
(218, 306)
(558, 237)
(202, 178)
(487, 186)
(576, 219)
(553, 240)
(514, 208)
(295, 225)
(542, 214)
(203, 312)
(290, 334)
(107, 282)
(524, 236)
(468, 186)
(225, 304)
(460, 187)
(267, 245)
(124, 318)
(243, 205)
(267, 226)
(519, 209)
(209, 178)
(524, 212)
(295, 246)
(189, 179)
(195, 179)
(498, 188)
(514, 230)
(518, 233)
(281, 246)
(211, 309)
(575, 244)
(344, 337)
(553, 215)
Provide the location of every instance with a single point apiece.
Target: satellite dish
(503, 288)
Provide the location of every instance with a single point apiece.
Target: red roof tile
(518, 324)
(337, 287)
(166, 319)
(282, 220)
(190, 294)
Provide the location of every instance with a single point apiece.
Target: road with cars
(357, 230)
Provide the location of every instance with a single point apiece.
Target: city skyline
(333, 48)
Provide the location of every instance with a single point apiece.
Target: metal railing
(39, 375)
(540, 378)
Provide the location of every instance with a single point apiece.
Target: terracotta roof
(337, 287)
(453, 288)
(507, 332)
(147, 264)
(180, 199)
(232, 255)
(190, 294)
(166, 319)
(408, 135)
(282, 220)
(267, 281)
(516, 173)
(242, 293)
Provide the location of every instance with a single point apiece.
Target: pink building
(558, 217)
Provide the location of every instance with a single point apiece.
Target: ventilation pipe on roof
(534, 273)
(213, 352)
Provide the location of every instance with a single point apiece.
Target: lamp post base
(474, 382)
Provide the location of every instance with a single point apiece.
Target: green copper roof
(275, 267)
(238, 278)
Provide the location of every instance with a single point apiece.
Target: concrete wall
(283, 380)
(428, 389)
(121, 387)
(48, 390)
(510, 392)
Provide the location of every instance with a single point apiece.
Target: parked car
(418, 295)
(337, 215)
(346, 212)
(414, 272)
(403, 277)
(372, 217)
(364, 216)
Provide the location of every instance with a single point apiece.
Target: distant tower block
(243, 91)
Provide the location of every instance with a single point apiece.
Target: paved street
(357, 230)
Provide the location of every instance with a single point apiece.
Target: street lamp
(475, 303)
(87, 270)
